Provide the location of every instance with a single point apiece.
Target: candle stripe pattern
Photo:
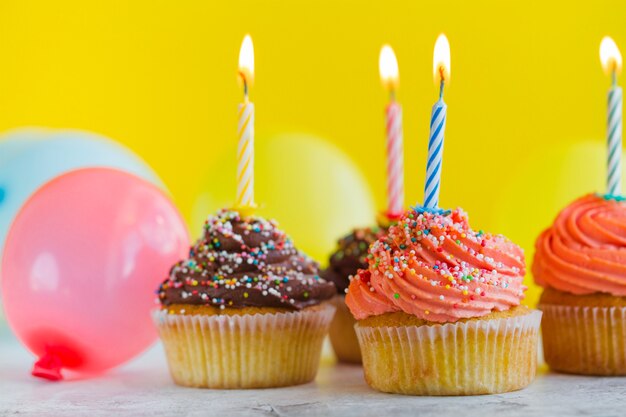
(435, 155)
(395, 160)
(614, 142)
(245, 156)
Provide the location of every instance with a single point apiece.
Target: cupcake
(580, 261)
(245, 310)
(438, 309)
(349, 257)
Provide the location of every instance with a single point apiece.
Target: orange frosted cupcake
(581, 263)
(438, 309)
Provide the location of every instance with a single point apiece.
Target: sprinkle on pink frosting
(437, 268)
(584, 251)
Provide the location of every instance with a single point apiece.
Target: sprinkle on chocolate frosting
(245, 262)
(351, 255)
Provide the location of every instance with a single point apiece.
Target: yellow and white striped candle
(245, 156)
(245, 148)
(611, 59)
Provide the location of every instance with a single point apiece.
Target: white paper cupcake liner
(585, 340)
(473, 357)
(244, 351)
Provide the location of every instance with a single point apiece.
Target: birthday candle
(611, 59)
(245, 148)
(388, 66)
(441, 70)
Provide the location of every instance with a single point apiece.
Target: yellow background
(527, 103)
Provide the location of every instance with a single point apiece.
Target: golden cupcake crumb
(560, 298)
(400, 319)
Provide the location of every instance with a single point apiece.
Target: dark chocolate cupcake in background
(245, 310)
(350, 256)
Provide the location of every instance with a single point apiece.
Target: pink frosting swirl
(584, 251)
(434, 266)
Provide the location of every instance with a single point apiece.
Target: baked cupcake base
(584, 334)
(243, 348)
(405, 355)
(342, 335)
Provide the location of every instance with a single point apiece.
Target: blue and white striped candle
(435, 152)
(611, 60)
(614, 141)
(441, 70)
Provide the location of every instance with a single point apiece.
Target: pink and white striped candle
(395, 160)
(388, 66)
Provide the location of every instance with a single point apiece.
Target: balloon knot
(48, 367)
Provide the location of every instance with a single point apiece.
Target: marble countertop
(143, 387)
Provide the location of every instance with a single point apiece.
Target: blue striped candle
(614, 141)
(441, 71)
(611, 60)
(435, 152)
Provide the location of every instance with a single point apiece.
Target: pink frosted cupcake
(581, 263)
(438, 310)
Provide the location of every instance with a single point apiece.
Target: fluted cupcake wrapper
(244, 351)
(473, 357)
(585, 340)
(342, 335)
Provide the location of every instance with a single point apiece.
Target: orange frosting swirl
(434, 266)
(584, 251)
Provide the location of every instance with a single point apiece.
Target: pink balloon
(81, 264)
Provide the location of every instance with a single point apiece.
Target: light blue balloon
(29, 158)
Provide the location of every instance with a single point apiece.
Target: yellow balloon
(545, 183)
(314, 190)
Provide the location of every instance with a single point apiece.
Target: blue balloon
(29, 158)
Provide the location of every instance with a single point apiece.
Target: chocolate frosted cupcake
(350, 256)
(245, 310)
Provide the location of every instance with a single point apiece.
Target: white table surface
(143, 387)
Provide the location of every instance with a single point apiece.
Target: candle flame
(441, 59)
(246, 60)
(388, 68)
(610, 56)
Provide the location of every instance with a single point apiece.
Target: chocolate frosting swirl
(245, 262)
(351, 255)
